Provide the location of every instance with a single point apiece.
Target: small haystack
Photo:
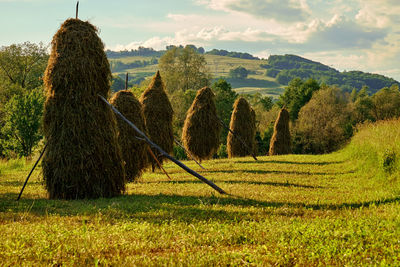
(83, 157)
(280, 142)
(158, 114)
(134, 151)
(243, 125)
(200, 134)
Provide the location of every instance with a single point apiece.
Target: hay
(243, 125)
(280, 143)
(158, 114)
(134, 151)
(83, 158)
(200, 134)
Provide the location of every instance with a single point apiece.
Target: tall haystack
(158, 114)
(280, 140)
(134, 151)
(83, 157)
(244, 127)
(200, 134)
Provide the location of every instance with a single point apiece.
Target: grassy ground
(338, 209)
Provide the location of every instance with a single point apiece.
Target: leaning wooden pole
(250, 151)
(165, 154)
(187, 152)
(158, 162)
(30, 173)
(126, 81)
(77, 9)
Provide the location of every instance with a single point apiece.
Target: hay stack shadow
(83, 158)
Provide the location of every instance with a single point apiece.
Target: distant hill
(285, 68)
(268, 77)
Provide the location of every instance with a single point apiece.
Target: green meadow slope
(268, 77)
(337, 209)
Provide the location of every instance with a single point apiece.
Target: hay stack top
(77, 61)
(155, 99)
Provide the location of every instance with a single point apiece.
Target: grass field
(338, 209)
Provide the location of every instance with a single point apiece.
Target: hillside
(340, 209)
(268, 77)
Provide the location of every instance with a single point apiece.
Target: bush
(323, 123)
(179, 153)
(222, 152)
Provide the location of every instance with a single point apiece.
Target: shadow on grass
(323, 163)
(161, 208)
(277, 172)
(286, 184)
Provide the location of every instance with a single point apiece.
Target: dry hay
(200, 134)
(158, 114)
(244, 127)
(83, 157)
(280, 141)
(134, 151)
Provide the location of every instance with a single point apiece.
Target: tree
(184, 69)
(386, 103)
(323, 122)
(23, 64)
(297, 94)
(22, 122)
(238, 73)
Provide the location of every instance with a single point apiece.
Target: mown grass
(338, 209)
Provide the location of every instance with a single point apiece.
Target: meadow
(219, 66)
(337, 209)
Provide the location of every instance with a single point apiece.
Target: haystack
(200, 134)
(83, 157)
(158, 114)
(134, 151)
(280, 141)
(244, 127)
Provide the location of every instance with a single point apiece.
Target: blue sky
(345, 34)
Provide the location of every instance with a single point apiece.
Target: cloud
(341, 32)
(279, 10)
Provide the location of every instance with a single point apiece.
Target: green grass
(338, 209)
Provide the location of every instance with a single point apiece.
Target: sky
(344, 34)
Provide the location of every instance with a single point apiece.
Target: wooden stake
(77, 8)
(30, 173)
(188, 153)
(126, 81)
(158, 162)
(165, 154)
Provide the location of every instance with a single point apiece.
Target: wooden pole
(187, 152)
(165, 154)
(158, 162)
(250, 151)
(126, 81)
(77, 8)
(30, 173)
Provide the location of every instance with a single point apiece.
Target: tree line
(322, 117)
